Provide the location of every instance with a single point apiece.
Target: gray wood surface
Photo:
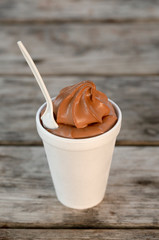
(114, 43)
(99, 49)
(81, 10)
(49, 234)
(20, 97)
(27, 196)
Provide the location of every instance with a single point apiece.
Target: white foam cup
(79, 167)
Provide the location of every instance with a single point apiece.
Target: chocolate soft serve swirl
(81, 111)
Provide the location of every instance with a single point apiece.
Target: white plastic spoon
(48, 117)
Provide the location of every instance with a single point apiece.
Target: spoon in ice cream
(47, 117)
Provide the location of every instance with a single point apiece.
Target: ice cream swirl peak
(80, 105)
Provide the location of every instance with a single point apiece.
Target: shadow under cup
(80, 167)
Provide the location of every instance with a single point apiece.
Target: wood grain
(27, 197)
(49, 234)
(114, 43)
(81, 10)
(82, 49)
(20, 97)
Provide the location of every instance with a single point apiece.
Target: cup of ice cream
(79, 151)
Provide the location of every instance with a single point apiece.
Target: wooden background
(114, 43)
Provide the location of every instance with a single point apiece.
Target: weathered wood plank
(49, 234)
(27, 198)
(137, 97)
(81, 10)
(100, 49)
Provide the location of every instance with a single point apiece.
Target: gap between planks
(109, 227)
(76, 21)
(80, 228)
(118, 143)
(87, 74)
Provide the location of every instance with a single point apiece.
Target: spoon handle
(35, 73)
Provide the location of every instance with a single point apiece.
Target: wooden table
(114, 43)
